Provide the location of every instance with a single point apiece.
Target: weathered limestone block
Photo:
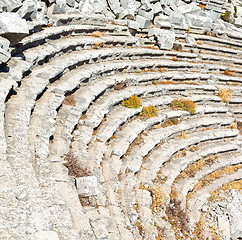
(133, 24)
(93, 6)
(58, 7)
(13, 27)
(114, 5)
(178, 19)
(143, 22)
(199, 21)
(87, 186)
(165, 38)
(191, 8)
(4, 56)
(157, 8)
(28, 8)
(148, 15)
(70, 3)
(11, 5)
(162, 21)
(190, 40)
(4, 43)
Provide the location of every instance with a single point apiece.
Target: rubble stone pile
(120, 119)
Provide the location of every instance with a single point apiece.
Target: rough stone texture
(11, 5)
(46, 235)
(165, 38)
(28, 8)
(62, 92)
(13, 27)
(87, 186)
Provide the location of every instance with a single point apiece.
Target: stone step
(213, 40)
(175, 166)
(151, 166)
(56, 32)
(195, 204)
(157, 136)
(188, 184)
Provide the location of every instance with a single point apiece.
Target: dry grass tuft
(225, 94)
(202, 6)
(97, 45)
(183, 135)
(96, 34)
(132, 102)
(228, 72)
(69, 100)
(151, 47)
(74, 166)
(163, 69)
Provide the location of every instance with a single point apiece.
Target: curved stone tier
(77, 164)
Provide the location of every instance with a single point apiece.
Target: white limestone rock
(28, 8)
(87, 186)
(133, 24)
(190, 40)
(11, 5)
(143, 22)
(70, 3)
(93, 6)
(114, 5)
(191, 8)
(199, 21)
(165, 38)
(4, 44)
(13, 27)
(162, 21)
(177, 19)
(4, 56)
(58, 7)
(46, 235)
(148, 15)
(235, 210)
(157, 8)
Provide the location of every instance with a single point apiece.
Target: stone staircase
(61, 95)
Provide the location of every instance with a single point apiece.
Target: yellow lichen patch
(132, 102)
(185, 104)
(148, 112)
(174, 59)
(96, 34)
(225, 94)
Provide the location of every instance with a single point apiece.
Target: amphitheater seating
(63, 94)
